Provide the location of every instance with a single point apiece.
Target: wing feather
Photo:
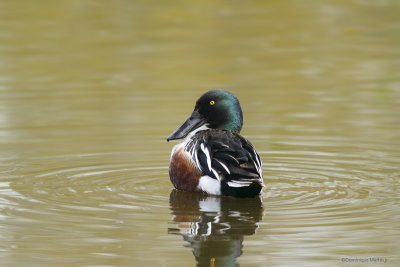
(227, 157)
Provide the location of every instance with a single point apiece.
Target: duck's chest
(183, 172)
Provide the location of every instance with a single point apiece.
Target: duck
(212, 157)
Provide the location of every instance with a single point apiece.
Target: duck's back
(228, 158)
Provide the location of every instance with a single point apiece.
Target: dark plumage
(233, 160)
(213, 156)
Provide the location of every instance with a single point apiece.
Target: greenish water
(89, 91)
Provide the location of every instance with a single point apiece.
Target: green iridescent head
(216, 109)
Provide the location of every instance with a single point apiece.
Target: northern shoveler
(213, 157)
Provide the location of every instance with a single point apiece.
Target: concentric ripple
(333, 192)
(88, 181)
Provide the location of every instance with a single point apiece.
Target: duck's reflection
(214, 226)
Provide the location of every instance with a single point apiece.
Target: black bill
(195, 121)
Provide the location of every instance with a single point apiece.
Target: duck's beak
(195, 121)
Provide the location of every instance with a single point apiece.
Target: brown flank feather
(183, 173)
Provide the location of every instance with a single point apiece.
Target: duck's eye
(212, 102)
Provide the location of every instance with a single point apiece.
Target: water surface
(90, 90)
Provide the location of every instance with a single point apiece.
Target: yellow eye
(212, 102)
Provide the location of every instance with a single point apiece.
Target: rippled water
(90, 90)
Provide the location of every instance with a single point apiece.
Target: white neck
(201, 128)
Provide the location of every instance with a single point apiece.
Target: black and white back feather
(228, 158)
